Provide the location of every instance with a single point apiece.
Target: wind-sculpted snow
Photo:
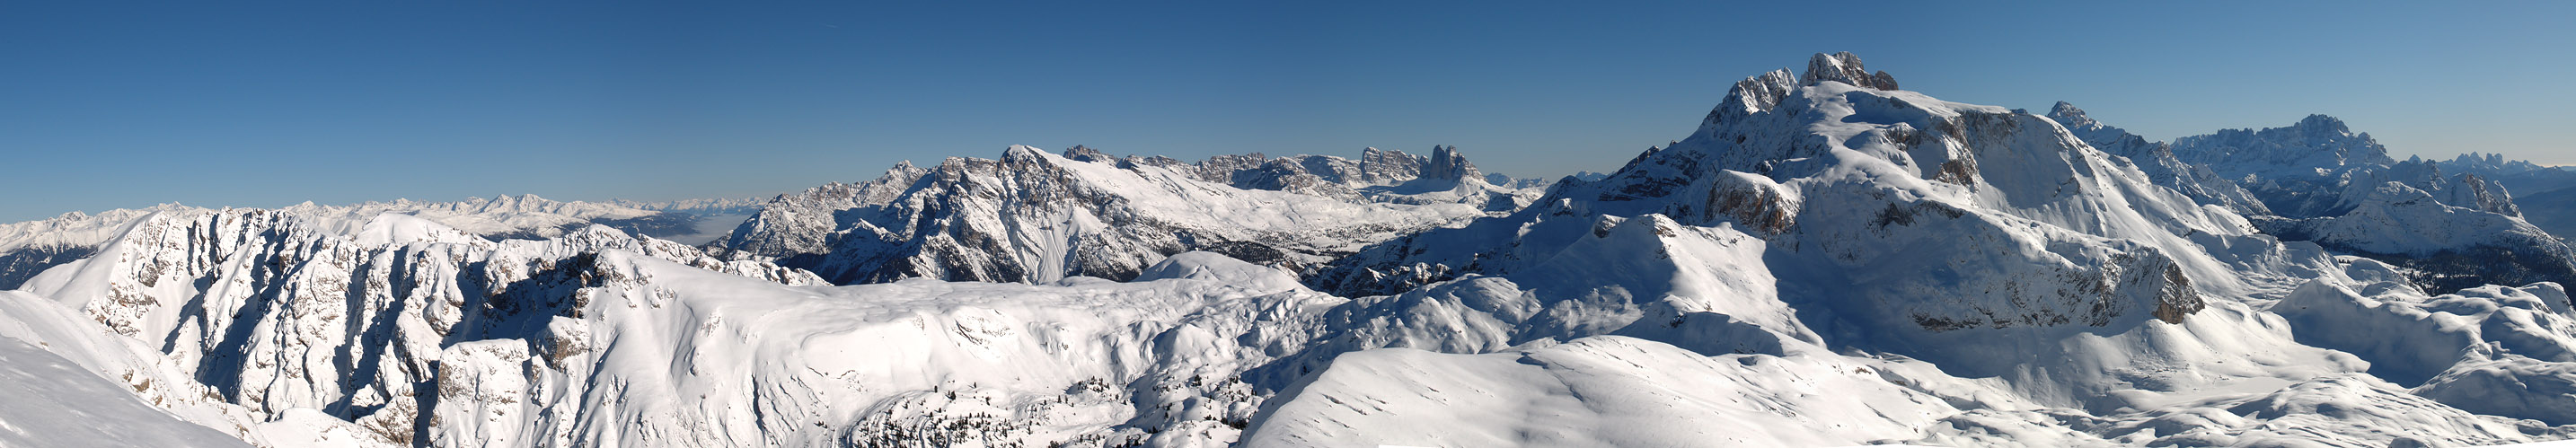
(2492, 350)
(1826, 261)
(1604, 391)
(53, 402)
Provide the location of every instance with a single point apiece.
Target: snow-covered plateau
(1827, 260)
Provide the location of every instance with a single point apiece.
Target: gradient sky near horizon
(116, 105)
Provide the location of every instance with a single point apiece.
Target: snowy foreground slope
(1826, 261)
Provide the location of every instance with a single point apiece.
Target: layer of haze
(117, 106)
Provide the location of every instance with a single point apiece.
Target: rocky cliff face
(803, 222)
(268, 311)
(2316, 144)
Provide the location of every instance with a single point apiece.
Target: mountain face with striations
(1035, 217)
(2158, 161)
(1825, 260)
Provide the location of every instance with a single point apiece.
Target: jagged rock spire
(1447, 164)
(1762, 92)
(1751, 95)
(1846, 68)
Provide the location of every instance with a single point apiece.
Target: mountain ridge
(1825, 260)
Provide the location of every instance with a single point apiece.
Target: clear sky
(116, 105)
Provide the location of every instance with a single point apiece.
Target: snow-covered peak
(1086, 154)
(1752, 95)
(2313, 147)
(1986, 240)
(1036, 217)
(2067, 114)
(1760, 93)
(392, 229)
(1023, 153)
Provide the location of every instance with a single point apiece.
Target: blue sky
(127, 105)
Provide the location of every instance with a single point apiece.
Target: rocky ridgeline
(1035, 217)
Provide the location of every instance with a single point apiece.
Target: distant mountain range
(1826, 260)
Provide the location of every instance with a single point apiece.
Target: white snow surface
(54, 402)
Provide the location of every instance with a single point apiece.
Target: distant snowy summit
(2453, 224)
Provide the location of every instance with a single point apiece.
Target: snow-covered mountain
(2158, 161)
(1035, 217)
(2318, 145)
(2547, 194)
(1826, 260)
(28, 248)
(722, 206)
(2318, 181)
(1991, 243)
(246, 319)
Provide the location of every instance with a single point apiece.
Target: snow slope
(53, 402)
